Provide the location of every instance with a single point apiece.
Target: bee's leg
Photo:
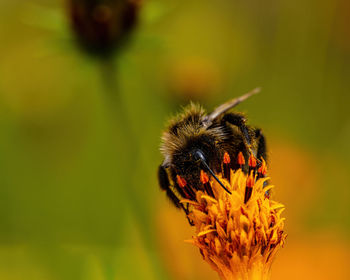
(261, 151)
(187, 211)
(239, 121)
(165, 185)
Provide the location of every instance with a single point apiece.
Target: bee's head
(201, 154)
(195, 150)
(187, 134)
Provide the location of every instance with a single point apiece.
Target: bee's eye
(198, 155)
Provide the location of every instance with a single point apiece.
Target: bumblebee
(196, 146)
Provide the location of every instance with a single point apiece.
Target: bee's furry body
(227, 133)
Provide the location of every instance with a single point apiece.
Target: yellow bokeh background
(79, 135)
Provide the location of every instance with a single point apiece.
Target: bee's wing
(208, 120)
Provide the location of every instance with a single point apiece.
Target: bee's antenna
(199, 156)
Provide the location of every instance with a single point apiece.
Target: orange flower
(238, 234)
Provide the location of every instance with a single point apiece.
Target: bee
(196, 146)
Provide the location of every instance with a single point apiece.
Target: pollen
(237, 234)
(204, 177)
(227, 158)
(181, 181)
(263, 168)
(250, 180)
(240, 159)
(252, 161)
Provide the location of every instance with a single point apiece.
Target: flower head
(238, 234)
(101, 26)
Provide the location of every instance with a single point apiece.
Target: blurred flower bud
(102, 26)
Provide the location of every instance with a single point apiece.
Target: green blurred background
(80, 134)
